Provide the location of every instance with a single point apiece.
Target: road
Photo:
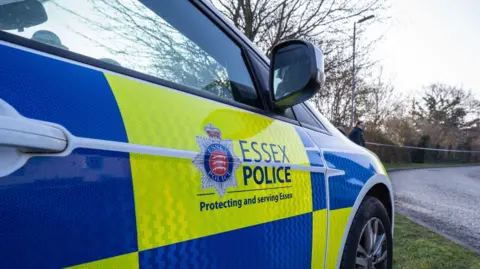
(447, 199)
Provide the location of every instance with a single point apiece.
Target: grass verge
(419, 248)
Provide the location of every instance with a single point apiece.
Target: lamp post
(353, 68)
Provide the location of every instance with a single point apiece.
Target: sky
(428, 41)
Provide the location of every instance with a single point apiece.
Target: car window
(171, 40)
(305, 117)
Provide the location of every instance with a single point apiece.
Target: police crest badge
(216, 161)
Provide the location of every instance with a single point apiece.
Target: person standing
(356, 135)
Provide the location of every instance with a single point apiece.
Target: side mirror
(296, 72)
(18, 15)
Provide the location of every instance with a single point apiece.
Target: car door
(136, 140)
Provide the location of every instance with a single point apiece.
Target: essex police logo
(216, 161)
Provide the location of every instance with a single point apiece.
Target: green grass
(419, 248)
(420, 165)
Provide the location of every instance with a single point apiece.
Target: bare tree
(445, 112)
(268, 22)
(334, 98)
(379, 101)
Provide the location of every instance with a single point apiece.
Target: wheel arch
(382, 193)
(380, 187)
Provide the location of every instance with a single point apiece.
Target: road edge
(424, 224)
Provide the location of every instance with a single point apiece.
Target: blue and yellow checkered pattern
(104, 209)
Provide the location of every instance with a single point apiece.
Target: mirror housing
(18, 15)
(296, 73)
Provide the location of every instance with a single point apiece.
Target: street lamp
(353, 68)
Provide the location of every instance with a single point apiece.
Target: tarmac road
(447, 199)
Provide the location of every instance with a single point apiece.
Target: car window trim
(312, 115)
(309, 126)
(282, 118)
(315, 117)
(254, 66)
(255, 79)
(314, 128)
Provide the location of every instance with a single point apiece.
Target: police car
(153, 134)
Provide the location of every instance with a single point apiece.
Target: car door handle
(31, 136)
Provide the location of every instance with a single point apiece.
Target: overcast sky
(431, 40)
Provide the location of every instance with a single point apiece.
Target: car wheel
(369, 241)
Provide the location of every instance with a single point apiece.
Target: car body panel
(160, 195)
(130, 190)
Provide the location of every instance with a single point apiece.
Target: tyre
(369, 241)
